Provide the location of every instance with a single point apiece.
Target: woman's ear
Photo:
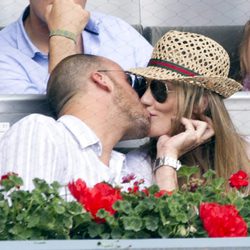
(201, 106)
(204, 104)
(102, 81)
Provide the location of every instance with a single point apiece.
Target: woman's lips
(152, 114)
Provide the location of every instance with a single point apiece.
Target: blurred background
(155, 12)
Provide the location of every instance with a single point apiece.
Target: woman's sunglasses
(158, 88)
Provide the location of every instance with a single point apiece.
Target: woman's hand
(196, 133)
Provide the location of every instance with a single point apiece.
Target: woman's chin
(156, 134)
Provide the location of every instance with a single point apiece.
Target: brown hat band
(172, 66)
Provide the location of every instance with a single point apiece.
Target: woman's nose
(147, 97)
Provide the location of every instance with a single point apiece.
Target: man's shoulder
(30, 127)
(8, 33)
(35, 120)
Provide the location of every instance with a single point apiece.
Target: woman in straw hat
(183, 88)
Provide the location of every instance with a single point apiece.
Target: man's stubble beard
(136, 117)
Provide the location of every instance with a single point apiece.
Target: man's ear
(102, 81)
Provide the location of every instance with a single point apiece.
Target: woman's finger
(200, 131)
(187, 124)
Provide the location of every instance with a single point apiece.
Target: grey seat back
(15, 107)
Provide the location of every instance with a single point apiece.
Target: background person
(50, 30)
(245, 57)
(96, 107)
(187, 80)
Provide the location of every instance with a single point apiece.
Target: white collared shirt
(63, 150)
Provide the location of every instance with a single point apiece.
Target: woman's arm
(196, 133)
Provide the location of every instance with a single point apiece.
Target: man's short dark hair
(68, 77)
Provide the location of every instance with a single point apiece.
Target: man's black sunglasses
(158, 88)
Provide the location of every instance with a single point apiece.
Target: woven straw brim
(221, 85)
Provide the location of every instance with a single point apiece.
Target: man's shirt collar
(84, 136)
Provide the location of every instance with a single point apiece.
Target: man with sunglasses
(96, 107)
(50, 30)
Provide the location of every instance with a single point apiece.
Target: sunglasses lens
(129, 78)
(138, 83)
(159, 90)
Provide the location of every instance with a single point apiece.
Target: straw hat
(192, 58)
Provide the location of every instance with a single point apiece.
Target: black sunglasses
(158, 88)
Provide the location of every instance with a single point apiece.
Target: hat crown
(191, 58)
(194, 52)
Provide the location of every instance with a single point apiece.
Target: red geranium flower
(133, 189)
(128, 178)
(145, 191)
(239, 179)
(222, 220)
(101, 196)
(6, 176)
(162, 192)
(136, 186)
(78, 189)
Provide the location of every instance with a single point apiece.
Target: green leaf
(218, 183)
(116, 233)
(144, 205)
(151, 222)
(122, 206)
(59, 209)
(111, 220)
(21, 216)
(82, 219)
(187, 172)
(182, 231)
(132, 223)
(33, 221)
(16, 179)
(153, 189)
(163, 212)
(105, 235)
(56, 186)
(74, 208)
(41, 185)
(209, 174)
(182, 217)
(95, 230)
(165, 231)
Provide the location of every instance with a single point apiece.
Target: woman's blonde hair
(226, 152)
(244, 51)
